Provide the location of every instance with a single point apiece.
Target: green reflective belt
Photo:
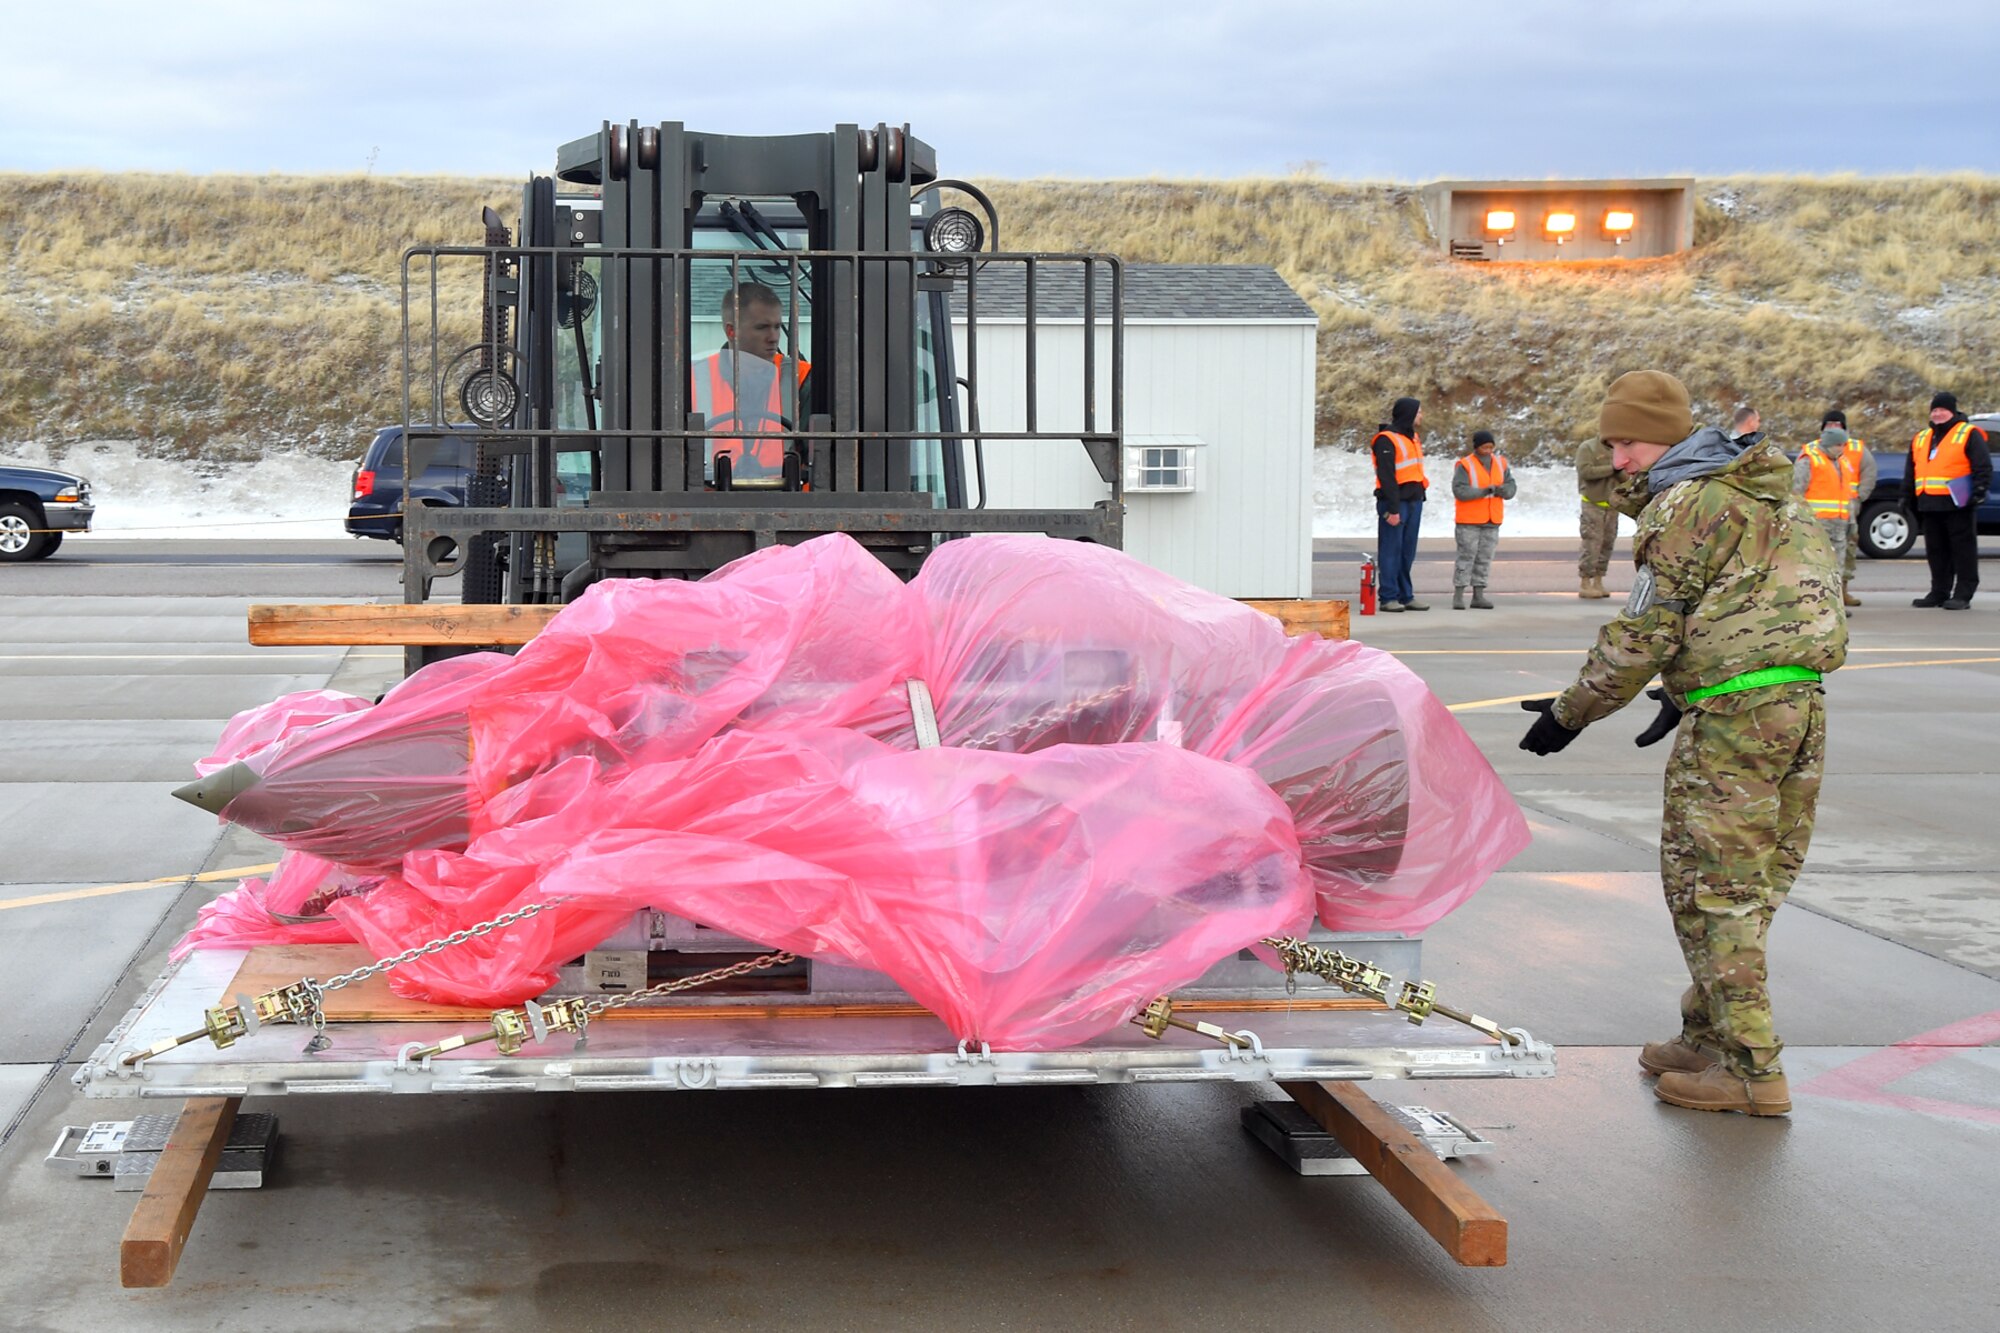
(1750, 680)
(1601, 504)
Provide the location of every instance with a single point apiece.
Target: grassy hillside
(215, 315)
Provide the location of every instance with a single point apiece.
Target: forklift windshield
(760, 379)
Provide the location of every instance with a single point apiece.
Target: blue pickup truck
(39, 506)
(1889, 525)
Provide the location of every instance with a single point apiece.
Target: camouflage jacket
(1743, 577)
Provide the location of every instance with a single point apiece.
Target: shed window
(1161, 466)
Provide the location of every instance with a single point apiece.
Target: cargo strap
(1750, 680)
(923, 714)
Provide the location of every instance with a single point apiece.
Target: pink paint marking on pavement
(1867, 1080)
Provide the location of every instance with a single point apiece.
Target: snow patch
(1344, 498)
(289, 493)
(286, 494)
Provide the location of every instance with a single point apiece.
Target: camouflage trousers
(1598, 527)
(1741, 790)
(1842, 534)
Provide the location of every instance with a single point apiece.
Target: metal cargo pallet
(1301, 1039)
(1315, 1048)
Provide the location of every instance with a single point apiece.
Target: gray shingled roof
(1152, 291)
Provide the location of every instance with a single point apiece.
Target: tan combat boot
(1719, 1089)
(1676, 1056)
(1594, 588)
(1847, 597)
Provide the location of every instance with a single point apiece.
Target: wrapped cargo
(1135, 779)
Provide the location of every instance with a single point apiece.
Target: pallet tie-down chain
(1418, 998)
(513, 1028)
(304, 1001)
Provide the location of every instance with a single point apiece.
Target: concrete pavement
(1871, 1207)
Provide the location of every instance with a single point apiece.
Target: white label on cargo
(615, 970)
(1449, 1057)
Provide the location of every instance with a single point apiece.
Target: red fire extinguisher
(1368, 586)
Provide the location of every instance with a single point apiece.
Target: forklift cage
(653, 505)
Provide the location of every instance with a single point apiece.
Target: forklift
(619, 429)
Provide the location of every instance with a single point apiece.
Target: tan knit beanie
(1649, 406)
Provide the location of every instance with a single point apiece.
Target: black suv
(376, 509)
(38, 507)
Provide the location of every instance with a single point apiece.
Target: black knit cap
(1834, 417)
(1948, 401)
(1480, 437)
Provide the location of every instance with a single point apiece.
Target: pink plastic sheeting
(737, 749)
(1028, 901)
(1035, 642)
(253, 912)
(254, 728)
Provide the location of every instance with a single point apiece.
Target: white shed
(1219, 385)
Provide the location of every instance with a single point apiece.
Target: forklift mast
(620, 432)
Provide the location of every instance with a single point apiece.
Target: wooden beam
(160, 1224)
(1326, 617)
(399, 624)
(1471, 1232)
(284, 625)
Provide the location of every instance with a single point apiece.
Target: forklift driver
(742, 384)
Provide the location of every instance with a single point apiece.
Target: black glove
(1547, 735)
(1664, 724)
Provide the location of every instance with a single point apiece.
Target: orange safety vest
(713, 395)
(1832, 487)
(1409, 458)
(1487, 508)
(1936, 467)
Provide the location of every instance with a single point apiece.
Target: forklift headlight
(954, 231)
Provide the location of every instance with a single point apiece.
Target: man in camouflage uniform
(1737, 607)
(1598, 524)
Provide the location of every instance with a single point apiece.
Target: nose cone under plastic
(219, 788)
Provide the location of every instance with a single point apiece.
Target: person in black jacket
(1949, 474)
(1400, 486)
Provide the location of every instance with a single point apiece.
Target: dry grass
(215, 315)
(221, 314)
(1799, 294)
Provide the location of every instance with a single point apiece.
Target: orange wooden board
(282, 624)
(269, 966)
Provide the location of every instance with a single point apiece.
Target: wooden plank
(291, 624)
(299, 624)
(269, 966)
(1468, 1228)
(159, 1228)
(1326, 617)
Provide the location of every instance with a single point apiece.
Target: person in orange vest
(1482, 483)
(1950, 470)
(744, 384)
(1400, 487)
(1835, 417)
(1828, 474)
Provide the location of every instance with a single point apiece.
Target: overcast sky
(1011, 88)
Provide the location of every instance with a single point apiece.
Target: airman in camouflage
(1737, 607)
